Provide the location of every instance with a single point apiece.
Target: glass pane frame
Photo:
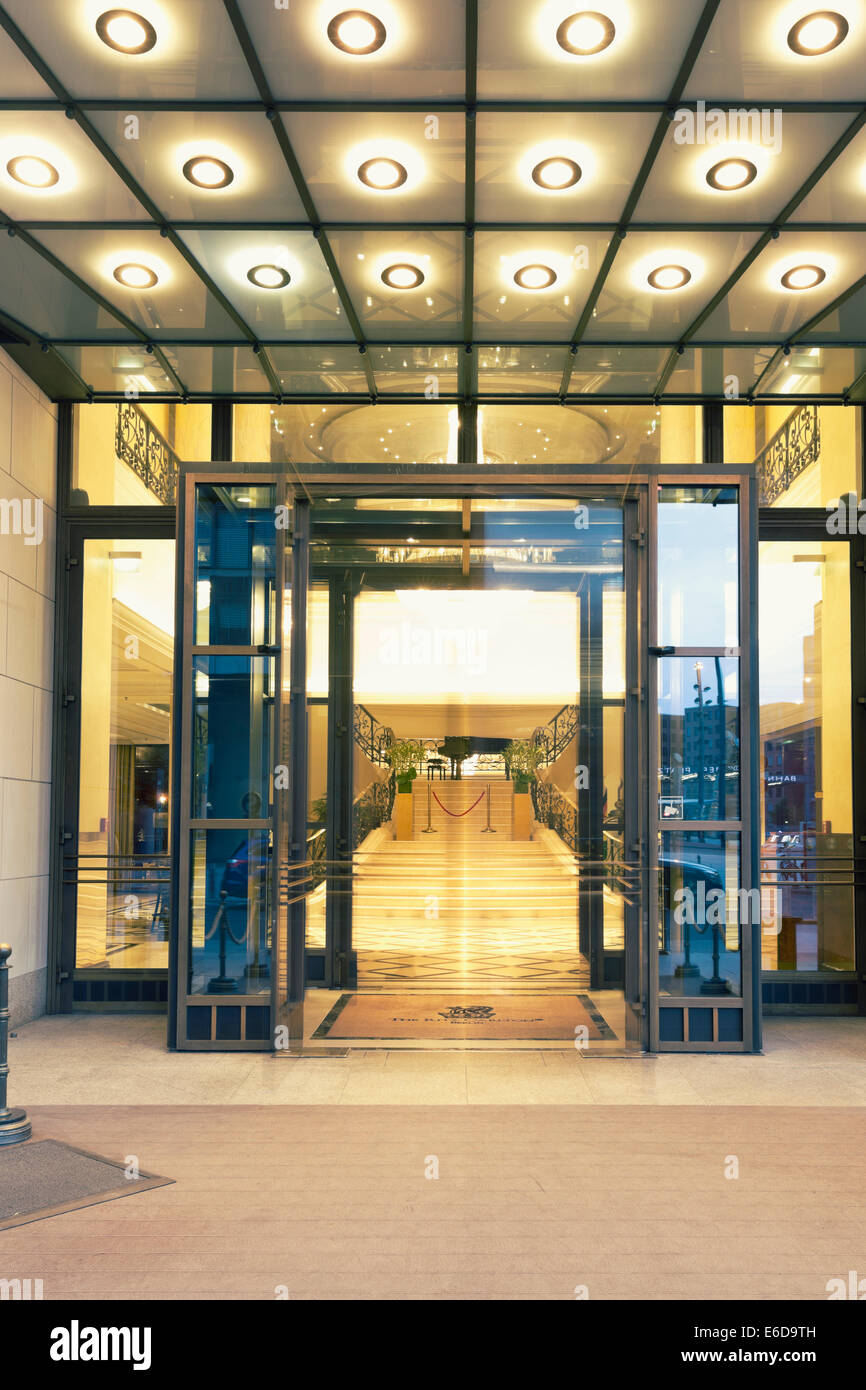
(699, 1025)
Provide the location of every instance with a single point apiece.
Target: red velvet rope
(458, 814)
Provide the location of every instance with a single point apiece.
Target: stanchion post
(429, 830)
(488, 829)
(14, 1124)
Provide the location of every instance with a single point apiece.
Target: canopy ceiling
(466, 100)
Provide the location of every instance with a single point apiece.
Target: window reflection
(698, 567)
(807, 842)
(699, 738)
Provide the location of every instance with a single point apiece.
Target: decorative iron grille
(554, 737)
(789, 453)
(139, 445)
(374, 739)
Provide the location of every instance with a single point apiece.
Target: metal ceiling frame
(468, 395)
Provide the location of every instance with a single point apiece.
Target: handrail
(554, 737)
(374, 739)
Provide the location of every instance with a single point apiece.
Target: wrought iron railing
(789, 453)
(372, 809)
(374, 739)
(555, 811)
(554, 737)
(139, 445)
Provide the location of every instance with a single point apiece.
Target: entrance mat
(500, 1017)
(46, 1178)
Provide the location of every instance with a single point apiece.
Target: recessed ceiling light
(730, 174)
(135, 276)
(269, 277)
(356, 31)
(669, 277)
(382, 174)
(818, 33)
(205, 171)
(585, 33)
(402, 276)
(803, 277)
(535, 277)
(556, 173)
(125, 31)
(32, 171)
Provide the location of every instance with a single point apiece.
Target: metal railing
(789, 453)
(374, 739)
(554, 737)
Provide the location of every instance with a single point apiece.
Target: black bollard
(14, 1124)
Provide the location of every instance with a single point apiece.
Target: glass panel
(235, 566)
(699, 738)
(698, 566)
(701, 913)
(308, 436)
(124, 868)
(127, 454)
(807, 840)
(233, 732)
(230, 912)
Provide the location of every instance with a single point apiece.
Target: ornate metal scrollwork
(789, 453)
(372, 809)
(142, 448)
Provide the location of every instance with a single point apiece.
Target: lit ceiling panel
(194, 56)
(420, 52)
(635, 56)
(557, 166)
(747, 53)
(507, 199)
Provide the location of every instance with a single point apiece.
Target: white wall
(28, 436)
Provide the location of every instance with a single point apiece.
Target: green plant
(405, 757)
(522, 758)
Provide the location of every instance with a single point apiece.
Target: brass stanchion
(14, 1124)
(488, 829)
(429, 830)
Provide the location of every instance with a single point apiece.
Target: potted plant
(405, 757)
(522, 759)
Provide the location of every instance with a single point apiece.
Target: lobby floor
(121, 1059)
(526, 1174)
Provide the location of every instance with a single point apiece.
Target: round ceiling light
(205, 171)
(669, 277)
(402, 276)
(33, 171)
(125, 31)
(135, 276)
(356, 32)
(818, 33)
(535, 277)
(585, 33)
(382, 174)
(556, 173)
(269, 277)
(730, 174)
(803, 277)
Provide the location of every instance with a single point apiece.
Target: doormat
(500, 1017)
(45, 1178)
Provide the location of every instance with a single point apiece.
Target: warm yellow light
(818, 33)
(268, 277)
(126, 31)
(535, 277)
(731, 174)
(357, 32)
(669, 277)
(135, 276)
(208, 172)
(382, 173)
(803, 277)
(402, 277)
(585, 33)
(32, 171)
(556, 173)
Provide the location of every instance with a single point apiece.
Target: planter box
(404, 827)
(522, 803)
